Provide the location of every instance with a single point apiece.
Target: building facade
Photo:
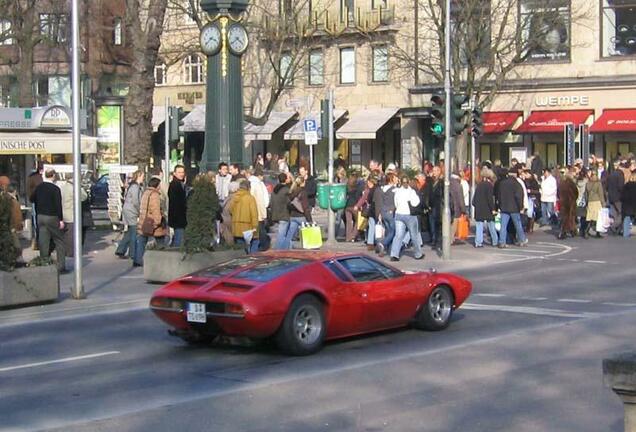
(377, 57)
(35, 69)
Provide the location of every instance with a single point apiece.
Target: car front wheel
(303, 329)
(435, 314)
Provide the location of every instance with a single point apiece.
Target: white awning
(276, 120)
(365, 124)
(12, 143)
(195, 120)
(297, 132)
(158, 117)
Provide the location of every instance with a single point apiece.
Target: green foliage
(203, 206)
(40, 262)
(8, 252)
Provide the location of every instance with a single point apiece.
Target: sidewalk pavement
(112, 285)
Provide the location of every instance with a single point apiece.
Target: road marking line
(63, 360)
(529, 310)
(526, 250)
(132, 277)
(533, 298)
(490, 295)
(619, 304)
(566, 300)
(566, 249)
(595, 262)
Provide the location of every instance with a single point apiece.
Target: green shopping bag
(310, 237)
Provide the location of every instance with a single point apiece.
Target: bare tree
(491, 40)
(144, 25)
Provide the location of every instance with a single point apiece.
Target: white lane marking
(619, 304)
(566, 249)
(132, 277)
(595, 262)
(567, 300)
(533, 298)
(63, 360)
(526, 250)
(529, 310)
(567, 259)
(490, 295)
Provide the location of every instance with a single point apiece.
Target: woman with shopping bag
(595, 205)
(299, 210)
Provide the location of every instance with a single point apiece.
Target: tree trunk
(145, 39)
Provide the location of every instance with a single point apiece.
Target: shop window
(193, 69)
(347, 66)
(285, 68)
(161, 74)
(54, 27)
(118, 34)
(380, 64)
(546, 30)
(316, 67)
(375, 4)
(618, 28)
(5, 33)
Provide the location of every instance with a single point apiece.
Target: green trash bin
(323, 195)
(338, 196)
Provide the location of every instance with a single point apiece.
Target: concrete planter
(165, 265)
(29, 285)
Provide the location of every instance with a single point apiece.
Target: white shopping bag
(602, 220)
(379, 231)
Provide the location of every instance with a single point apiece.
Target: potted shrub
(200, 250)
(36, 283)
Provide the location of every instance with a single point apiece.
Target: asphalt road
(524, 354)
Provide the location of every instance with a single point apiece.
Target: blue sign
(310, 125)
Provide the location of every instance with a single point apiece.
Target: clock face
(237, 37)
(210, 39)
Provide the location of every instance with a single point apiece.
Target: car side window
(362, 270)
(388, 272)
(337, 271)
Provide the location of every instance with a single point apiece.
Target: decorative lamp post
(224, 40)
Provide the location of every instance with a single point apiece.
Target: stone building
(580, 73)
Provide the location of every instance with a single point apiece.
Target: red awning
(552, 121)
(496, 122)
(615, 120)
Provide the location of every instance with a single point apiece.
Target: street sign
(311, 131)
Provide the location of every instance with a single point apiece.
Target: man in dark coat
(457, 205)
(485, 209)
(435, 194)
(311, 187)
(510, 205)
(536, 167)
(568, 195)
(614, 183)
(48, 201)
(177, 205)
(280, 208)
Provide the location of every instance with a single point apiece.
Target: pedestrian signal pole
(166, 144)
(446, 216)
(331, 228)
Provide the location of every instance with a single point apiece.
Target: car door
(346, 303)
(386, 301)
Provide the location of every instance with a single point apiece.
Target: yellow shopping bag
(362, 222)
(310, 237)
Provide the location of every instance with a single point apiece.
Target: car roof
(310, 255)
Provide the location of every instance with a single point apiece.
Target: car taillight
(234, 309)
(166, 304)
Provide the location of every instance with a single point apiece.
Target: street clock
(210, 39)
(237, 38)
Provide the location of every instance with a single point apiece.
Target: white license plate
(196, 312)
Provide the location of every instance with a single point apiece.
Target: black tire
(303, 329)
(436, 312)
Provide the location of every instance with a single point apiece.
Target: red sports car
(303, 298)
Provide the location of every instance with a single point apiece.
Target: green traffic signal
(438, 114)
(438, 128)
(458, 113)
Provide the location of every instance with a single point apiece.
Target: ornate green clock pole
(223, 40)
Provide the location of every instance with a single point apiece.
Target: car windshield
(269, 270)
(226, 268)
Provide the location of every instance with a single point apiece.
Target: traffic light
(477, 124)
(438, 114)
(175, 123)
(458, 113)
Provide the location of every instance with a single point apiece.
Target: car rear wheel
(435, 314)
(303, 329)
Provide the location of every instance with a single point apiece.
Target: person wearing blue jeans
(405, 198)
(128, 243)
(177, 238)
(547, 211)
(479, 233)
(516, 220)
(294, 225)
(388, 219)
(511, 203)
(627, 226)
(628, 200)
(283, 227)
(140, 248)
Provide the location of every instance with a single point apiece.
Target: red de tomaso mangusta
(302, 298)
